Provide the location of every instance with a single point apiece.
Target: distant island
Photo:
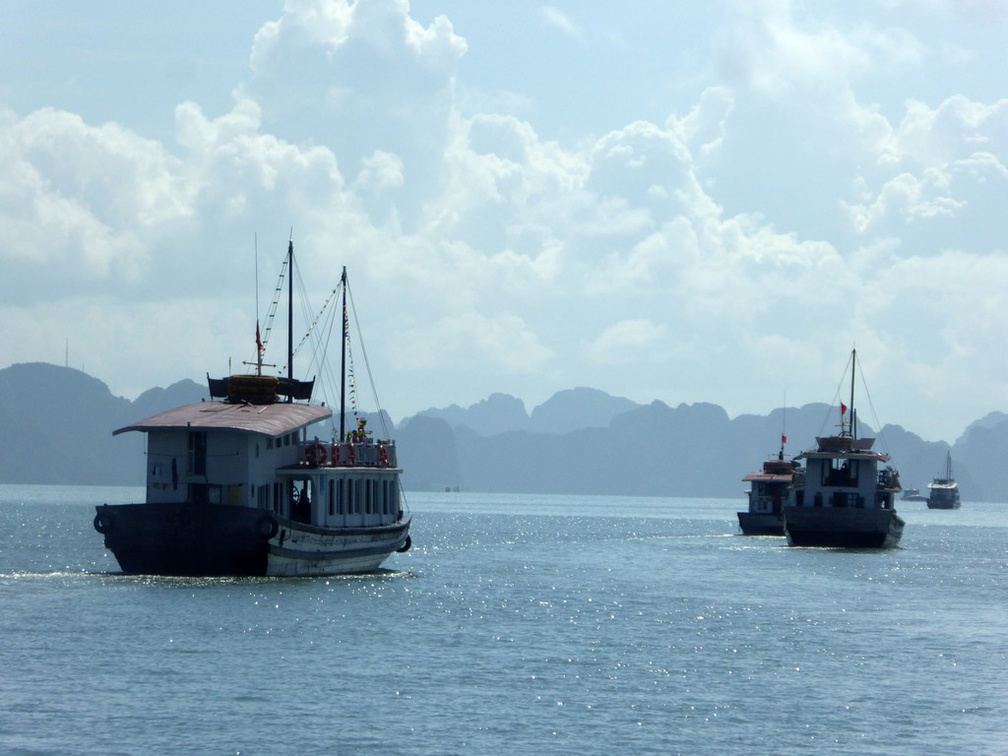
(59, 423)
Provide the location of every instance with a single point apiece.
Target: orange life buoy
(316, 455)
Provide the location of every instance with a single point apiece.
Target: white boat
(848, 497)
(912, 494)
(239, 485)
(944, 491)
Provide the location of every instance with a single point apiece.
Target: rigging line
(273, 305)
(321, 334)
(838, 396)
(367, 364)
(875, 418)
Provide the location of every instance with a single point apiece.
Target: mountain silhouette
(59, 424)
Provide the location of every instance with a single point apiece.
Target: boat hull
(217, 541)
(300, 550)
(761, 523)
(843, 528)
(943, 499)
(953, 504)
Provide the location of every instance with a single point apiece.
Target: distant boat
(944, 492)
(912, 494)
(847, 500)
(237, 487)
(770, 488)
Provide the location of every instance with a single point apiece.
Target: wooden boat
(848, 497)
(242, 485)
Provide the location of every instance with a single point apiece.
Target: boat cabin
(843, 472)
(260, 456)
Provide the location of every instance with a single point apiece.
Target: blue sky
(677, 201)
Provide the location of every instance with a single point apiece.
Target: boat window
(197, 452)
(841, 472)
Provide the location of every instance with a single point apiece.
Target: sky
(685, 202)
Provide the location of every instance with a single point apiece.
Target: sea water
(516, 624)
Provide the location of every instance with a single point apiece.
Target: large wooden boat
(849, 492)
(943, 491)
(242, 485)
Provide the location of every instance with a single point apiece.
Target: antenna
(783, 430)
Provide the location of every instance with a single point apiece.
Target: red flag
(843, 408)
(783, 439)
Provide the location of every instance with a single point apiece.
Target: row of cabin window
(280, 441)
(345, 497)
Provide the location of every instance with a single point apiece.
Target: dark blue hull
(187, 540)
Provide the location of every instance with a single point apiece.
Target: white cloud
(626, 342)
(768, 219)
(560, 20)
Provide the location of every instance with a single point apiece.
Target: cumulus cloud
(729, 232)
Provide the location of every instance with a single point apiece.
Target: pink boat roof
(768, 477)
(265, 419)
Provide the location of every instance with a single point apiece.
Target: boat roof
(266, 419)
(823, 454)
(843, 447)
(769, 477)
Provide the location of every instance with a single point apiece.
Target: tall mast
(345, 336)
(290, 314)
(853, 430)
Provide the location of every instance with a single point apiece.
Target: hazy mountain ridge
(583, 441)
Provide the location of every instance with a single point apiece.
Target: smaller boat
(912, 494)
(770, 488)
(847, 499)
(944, 491)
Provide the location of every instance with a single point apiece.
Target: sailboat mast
(290, 314)
(345, 336)
(853, 417)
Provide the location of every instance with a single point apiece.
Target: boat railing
(888, 478)
(367, 453)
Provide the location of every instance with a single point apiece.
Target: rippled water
(515, 625)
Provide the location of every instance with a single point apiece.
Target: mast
(345, 336)
(290, 314)
(853, 417)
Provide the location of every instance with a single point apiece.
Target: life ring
(104, 522)
(406, 545)
(316, 455)
(335, 454)
(267, 527)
